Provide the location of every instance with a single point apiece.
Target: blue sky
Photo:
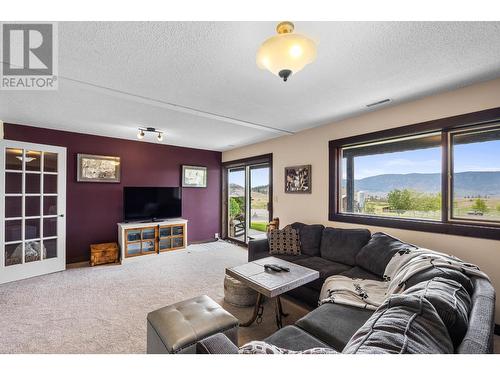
(259, 177)
(470, 157)
(483, 156)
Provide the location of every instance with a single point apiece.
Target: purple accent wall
(93, 209)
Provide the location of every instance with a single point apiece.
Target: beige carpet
(103, 309)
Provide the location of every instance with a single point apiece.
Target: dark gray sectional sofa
(441, 310)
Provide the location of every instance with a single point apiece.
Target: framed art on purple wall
(98, 168)
(194, 176)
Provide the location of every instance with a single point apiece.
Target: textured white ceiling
(117, 76)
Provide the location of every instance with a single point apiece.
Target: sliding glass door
(247, 198)
(259, 199)
(237, 202)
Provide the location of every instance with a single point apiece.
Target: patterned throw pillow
(261, 347)
(284, 242)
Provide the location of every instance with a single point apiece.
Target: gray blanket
(370, 294)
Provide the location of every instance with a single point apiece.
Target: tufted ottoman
(178, 327)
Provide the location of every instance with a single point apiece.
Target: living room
(284, 186)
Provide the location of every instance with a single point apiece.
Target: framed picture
(298, 179)
(97, 168)
(194, 176)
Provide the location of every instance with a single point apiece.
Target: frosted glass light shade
(286, 53)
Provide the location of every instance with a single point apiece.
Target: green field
(260, 226)
(466, 208)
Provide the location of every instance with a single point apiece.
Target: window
(475, 184)
(399, 178)
(439, 176)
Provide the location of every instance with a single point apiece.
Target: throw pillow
(310, 237)
(261, 347)
(284, 242)
(451, 301)
(404, 324)
(377, 253)
(342, 245)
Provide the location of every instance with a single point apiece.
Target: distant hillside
(236, 190)
(465, 183)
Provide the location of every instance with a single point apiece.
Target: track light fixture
(141, 134)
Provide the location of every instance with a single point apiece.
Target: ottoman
(178, 327)
(238, 294)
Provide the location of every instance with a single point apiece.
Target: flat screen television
(151, 203)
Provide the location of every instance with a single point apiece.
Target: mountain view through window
(402, 178)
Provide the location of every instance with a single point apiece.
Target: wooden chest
(103, 253)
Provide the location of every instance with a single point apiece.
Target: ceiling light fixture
(141, 133)
(286, 53)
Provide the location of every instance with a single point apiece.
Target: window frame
(448, 224)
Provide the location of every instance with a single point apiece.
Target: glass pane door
(259, 200)
(237, 225)
(248, 201)
(32, 212)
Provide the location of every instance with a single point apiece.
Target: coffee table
(271, 284)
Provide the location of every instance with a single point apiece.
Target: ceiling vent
(378, 103)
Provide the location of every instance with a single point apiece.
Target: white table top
(271, 283)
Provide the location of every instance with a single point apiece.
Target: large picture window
(439, 176)
(398, 178)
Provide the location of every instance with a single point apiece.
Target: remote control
(272, 267)
(286, 269)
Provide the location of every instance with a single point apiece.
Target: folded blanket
(370, 294)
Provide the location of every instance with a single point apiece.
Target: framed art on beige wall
(98, 168)
(298, 179)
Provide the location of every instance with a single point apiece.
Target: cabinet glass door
(133, 248)
(177, 242)
(165, 244)
(165, 231)
(148, 233)
(148, 246)
(33, 192)
(177, 230)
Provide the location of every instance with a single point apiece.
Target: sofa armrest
(216, 344)
(258, 249)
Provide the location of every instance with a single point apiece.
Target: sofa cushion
(334, 324)
(360, 273)
(451, 301)
(445, 273)
(294, 338)
(284, 241)
(342, 245)
(403, 324)
(310, 237)
(377, 253)
(324, 267)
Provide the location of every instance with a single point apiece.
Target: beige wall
(311, 147)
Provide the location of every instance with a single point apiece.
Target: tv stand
(153, 237)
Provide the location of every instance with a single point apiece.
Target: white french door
(32, 210)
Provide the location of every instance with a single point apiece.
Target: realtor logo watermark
(29, 56)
